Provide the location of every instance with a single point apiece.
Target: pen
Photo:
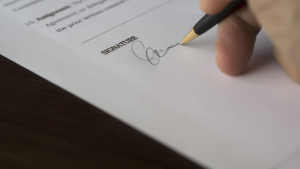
(209, 21)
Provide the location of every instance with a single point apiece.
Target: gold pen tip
(181, 43)
(189, 37)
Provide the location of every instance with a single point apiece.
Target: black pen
(209, 21)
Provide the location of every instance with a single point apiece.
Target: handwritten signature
(149, 54)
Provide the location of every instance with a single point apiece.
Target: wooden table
(43, 126)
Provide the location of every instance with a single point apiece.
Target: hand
(237, 33)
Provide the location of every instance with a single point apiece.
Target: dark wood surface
(43, 126)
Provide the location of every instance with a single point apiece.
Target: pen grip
(209, 21)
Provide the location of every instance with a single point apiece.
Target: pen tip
(181, 43)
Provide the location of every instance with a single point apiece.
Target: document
(123, 57)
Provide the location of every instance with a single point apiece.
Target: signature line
(126, 22)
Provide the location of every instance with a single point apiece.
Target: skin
(237, 33)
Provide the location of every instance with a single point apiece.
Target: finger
(280, 20)
(213, 6)
(291, 65)
(235, 42)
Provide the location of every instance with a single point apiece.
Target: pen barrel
(209, 21)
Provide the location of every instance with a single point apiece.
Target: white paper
(185, 102)
(291, 162)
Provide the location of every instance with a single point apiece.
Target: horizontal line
(126, 21)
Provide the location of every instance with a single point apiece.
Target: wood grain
(43, 126)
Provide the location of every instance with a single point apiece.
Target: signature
(149, 54)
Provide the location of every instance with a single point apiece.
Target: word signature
(149, 54)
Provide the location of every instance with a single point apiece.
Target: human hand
(237, 33)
